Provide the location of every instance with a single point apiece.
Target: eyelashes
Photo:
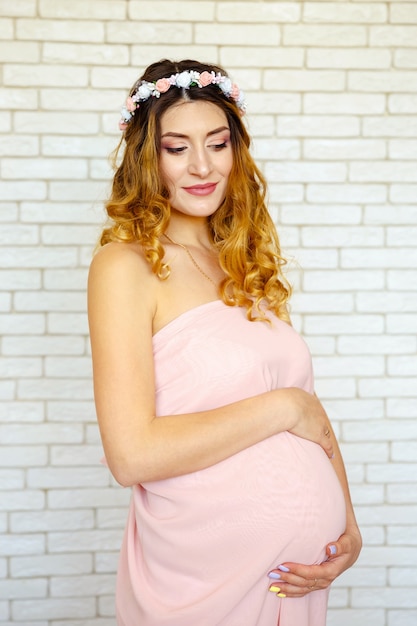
(216, 147)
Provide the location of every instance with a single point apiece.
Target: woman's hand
(295, 580)
(310, 419)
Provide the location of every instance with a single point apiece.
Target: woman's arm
(122, 301)
(301, 579)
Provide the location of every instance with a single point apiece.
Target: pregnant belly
(279, 500)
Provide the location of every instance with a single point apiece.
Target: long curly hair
(241, 229)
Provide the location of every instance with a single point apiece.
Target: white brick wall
(332, 95)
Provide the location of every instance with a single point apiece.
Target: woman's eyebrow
(182, 136)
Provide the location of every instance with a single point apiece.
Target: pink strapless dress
(197, 548)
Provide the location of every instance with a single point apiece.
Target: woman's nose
(200, 163)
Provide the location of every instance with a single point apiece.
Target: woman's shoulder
(120, 258)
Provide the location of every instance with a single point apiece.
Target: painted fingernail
(281, 595)
(332, 457)
(274, 575)
(275, 589)
(332, 549)
(283, 568)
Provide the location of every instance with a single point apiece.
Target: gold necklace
(192, 259)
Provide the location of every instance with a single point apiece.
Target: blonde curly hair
(241, 229)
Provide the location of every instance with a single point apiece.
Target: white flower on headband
(182, 80)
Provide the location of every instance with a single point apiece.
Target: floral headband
(183, 80)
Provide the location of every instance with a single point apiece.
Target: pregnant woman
(240, 512)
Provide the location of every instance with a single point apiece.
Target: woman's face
(196, 157)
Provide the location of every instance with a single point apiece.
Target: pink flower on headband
(130, 105)
(122, 125)
(205, 79)
(234, 94)
(162, 85)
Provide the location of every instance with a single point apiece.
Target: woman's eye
(220, 146)
(175, 150)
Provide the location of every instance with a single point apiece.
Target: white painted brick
(404, 451)
(350, 365)
(57, 30)
(317, 126)
(44, 168)
(385, 36)
(21, 323)
(391, 214)
(403, 13)
(388, 387)
(377, 344)
(23, 456)
(405, 57)
(343, 324)
(306, 172)
(54, 477)
(303, 80)
(343, 103)
(380, 430)
(85, 53)
(35, 588)
(78, 9)
(49, 301)
(402, 365)
(23, 190)
(88, 190)
(51, 608)
(35, 345)
(348, 58)
(319, 214)
(401, 407)
(98, 621)
(8, 211)
(27, 434)
(393, 126)
(401, 323)
(401, 535)
(78, 586)
(84, 540)
(400, 280)
(39, 75)
(19, 279)
(31, 257)
(150, 32)
(313, 258)
(273, 102)
(251, 12)
(365, 452)
(144, 54)
(55, 389)
(106, 562)
(171, 11)
(356, 410)
(333, 303)
(18, 9)
(347, 617)
(56, 123)
(61, 213)
(76, 146)
(335, 387)
(12, 479)
(401, 494)
(55, 235)
(392, 473)
(367, 494)
(76, 455)
(382, 81)
(100, 169)
(405, 617)
(338, 149)
(68, 367)
(19, 235)
(361, 576)
(111, 518)
(261, 56)
(75, 279)
(268, 34)
(324, 35)
(403, 193)
(87, 498)
(338, 597)
(286, 149)
(51, 564)
(67, 323)
(391, 302)
(403, 148)
(342, 236)
(16, 367)
(347, 193)
(11, 98)
(26, 146)
(403, 576)
(5, 302)
(400, 104)
(27, 500)
(342, 280)
(344, 12)
(7, 389)
(379, 258)
(6, 27)
(393, 598)
(71, 411)
(45, 521)
(16, 545)
(379, 171)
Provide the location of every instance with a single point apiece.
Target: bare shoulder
(120, 272)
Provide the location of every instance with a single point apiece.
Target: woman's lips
(201, 190)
